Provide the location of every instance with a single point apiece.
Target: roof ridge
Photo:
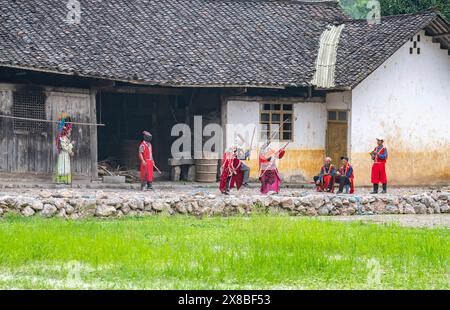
(307, 2)
(422, 12)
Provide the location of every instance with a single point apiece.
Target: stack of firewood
(111, 167)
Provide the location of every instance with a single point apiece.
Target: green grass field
(260, 252)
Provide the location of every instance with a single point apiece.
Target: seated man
(325, 180)
(345, 176)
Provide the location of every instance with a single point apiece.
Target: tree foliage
(359, 9)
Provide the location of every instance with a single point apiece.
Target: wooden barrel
(206, 170)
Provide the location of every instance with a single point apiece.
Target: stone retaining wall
(73, 205)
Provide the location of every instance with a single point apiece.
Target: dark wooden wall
(35, 153)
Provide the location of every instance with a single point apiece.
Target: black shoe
(245, 185)
(384, 189)
(149, 186)
(339, 192)
(384, 192)
(375, 189)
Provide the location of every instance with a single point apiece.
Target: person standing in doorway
(64, 146)
(146, 158)
(379, 156)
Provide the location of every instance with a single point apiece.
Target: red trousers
(328, 182)
(147, 171)
(379, 173)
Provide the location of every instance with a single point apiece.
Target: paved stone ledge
(74, 204)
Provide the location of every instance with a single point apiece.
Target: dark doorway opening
(126, 116)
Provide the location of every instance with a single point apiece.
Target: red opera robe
(379, 166)
(270, 177)
(146, 172)
(231, 167)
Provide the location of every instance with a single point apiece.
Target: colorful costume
(231, 175)
(269, 175)
(326, 179)
(65, 150)
(346, 177)
(379, 165)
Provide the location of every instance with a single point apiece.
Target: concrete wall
(407, 100)
(304, 155)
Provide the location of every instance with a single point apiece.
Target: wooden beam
(93, 136)
(442, 35)
(146, 90)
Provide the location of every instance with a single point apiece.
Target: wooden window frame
(337, 116)
(20, 107)
(282, 113)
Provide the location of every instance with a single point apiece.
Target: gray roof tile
(170, 42)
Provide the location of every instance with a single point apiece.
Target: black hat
(344, 157)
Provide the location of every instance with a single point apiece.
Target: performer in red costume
(146, 158)
(232, 175)
(345, 176)
(269, 175)
(379, 156)
(325, 180)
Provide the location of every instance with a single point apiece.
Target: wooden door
(337, 135)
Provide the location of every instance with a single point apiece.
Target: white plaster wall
(309, 125)
(339, 100)
(241, 117)
(407, 100)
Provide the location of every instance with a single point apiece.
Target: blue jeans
(246, 170)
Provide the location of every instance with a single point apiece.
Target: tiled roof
(364, 47)
(240, 43)
(170, 42)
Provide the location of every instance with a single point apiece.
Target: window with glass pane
(332, 115)
(276, 121)
(337, 116)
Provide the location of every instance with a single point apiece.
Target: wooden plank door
(337, 135)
